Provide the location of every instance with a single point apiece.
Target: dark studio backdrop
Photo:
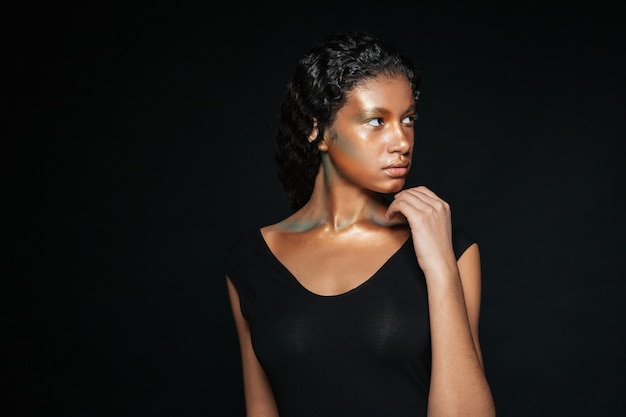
(144, 143)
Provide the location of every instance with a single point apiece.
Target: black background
(143, 146)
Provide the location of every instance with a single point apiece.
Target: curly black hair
(317, 90)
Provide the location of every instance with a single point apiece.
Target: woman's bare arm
(258, 393)
(458, 384)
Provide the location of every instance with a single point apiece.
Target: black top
(362, 353)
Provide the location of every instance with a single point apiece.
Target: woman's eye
(378, 121)
(409, 120)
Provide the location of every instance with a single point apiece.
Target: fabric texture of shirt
(363, 353)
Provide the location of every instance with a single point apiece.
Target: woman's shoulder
(245, 242)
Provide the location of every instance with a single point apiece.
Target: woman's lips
(397, 170)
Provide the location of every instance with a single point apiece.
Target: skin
(365, 153)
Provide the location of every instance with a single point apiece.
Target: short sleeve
(461, 240)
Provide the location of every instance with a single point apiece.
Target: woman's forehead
(394, 89)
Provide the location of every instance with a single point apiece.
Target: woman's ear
(321, 145)
(314, 131)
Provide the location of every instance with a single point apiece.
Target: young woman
(356, 304)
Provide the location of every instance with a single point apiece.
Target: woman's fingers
(429, 219)
(418, 190)
(416, 200)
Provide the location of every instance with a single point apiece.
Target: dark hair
(317, 90)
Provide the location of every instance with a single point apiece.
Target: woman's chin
(394, 188)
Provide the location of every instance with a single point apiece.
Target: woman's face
(371, 141)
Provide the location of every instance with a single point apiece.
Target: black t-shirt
(362, 353)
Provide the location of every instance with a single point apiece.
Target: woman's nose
(401, 139)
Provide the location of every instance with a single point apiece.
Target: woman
(356, 304)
